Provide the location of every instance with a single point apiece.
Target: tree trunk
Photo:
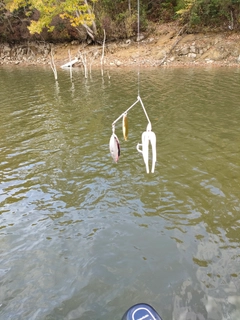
(94, 28)
(129, 6)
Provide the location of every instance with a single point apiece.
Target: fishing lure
(114, 147)
(125, 126)
(148, 136)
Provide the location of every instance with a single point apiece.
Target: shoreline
(165, 47)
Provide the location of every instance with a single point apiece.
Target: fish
(114, 147)
(125, 126)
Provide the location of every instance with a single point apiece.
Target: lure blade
(114, 147)
(154, 151)
(145, 143)
(148, 136)
(125, 127)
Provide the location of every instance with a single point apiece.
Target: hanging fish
(125, 126)
(114, 147)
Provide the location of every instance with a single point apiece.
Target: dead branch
(70, 59)
(53, 66)
(84, 62)
(103, 48)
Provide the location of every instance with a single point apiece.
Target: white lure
(147, 136)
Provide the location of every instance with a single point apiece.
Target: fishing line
(138, 39)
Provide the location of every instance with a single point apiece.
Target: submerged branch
(103, 48)
(53, 66)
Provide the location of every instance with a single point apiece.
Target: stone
(6, 49)
(192, 55)
(192, 49)
(209, 61)
(184, 51)
(140, 37)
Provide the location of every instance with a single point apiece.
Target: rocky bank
(166, 46)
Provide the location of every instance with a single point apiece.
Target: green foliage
(160, 10)
(129, 22)
(119, 17)
(209, 12)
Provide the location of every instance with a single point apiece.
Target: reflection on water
(84, 238)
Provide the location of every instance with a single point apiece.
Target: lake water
(84, 238)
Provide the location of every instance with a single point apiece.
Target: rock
(216, 55)
(184, 51)
(192, 55)
(209, 61)
(192, 49)
(6, 49)
(140, 37)
(46, 52)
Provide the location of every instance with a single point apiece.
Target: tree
(78, 12)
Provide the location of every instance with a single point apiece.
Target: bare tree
(91, 31)
(129, 6)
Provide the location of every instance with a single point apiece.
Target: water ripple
(82, 236)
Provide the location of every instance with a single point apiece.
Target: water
(84, 238)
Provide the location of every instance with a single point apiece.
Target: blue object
(141, 311)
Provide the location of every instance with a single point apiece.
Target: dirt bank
(165, 46)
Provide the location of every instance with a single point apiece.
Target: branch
(84, 62)
(102, 58)
(93, 22)
(53, 66)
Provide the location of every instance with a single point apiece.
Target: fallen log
(70, 63)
